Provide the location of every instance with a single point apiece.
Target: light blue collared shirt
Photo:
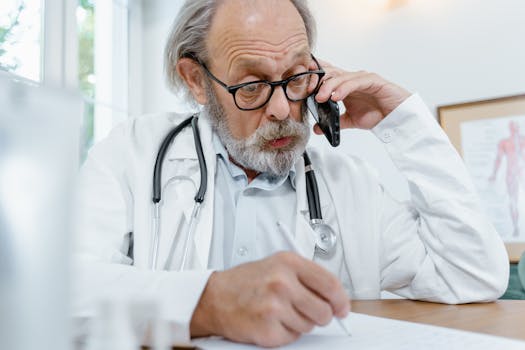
(251, 221)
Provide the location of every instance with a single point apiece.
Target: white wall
(154, 18)
(447, 50)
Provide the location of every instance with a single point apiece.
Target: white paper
(369, 332)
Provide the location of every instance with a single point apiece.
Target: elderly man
(252, 270)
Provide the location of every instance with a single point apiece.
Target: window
(79, 44)
(102, 65)
(85, 14)
(21, 38)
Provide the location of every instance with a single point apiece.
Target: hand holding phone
(326, 115)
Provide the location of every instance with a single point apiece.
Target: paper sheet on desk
(370, 332)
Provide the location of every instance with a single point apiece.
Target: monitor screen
(39, 148)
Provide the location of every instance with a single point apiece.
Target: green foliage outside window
(9, 33)
(86, 69)
(7, 37)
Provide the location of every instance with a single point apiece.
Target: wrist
(204, 321)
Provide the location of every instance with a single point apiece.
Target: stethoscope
(325, 238)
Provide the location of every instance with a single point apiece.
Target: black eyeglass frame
(273, 84)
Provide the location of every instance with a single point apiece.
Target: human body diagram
(513, 149)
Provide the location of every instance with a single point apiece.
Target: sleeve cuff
(405, 122)
(179, 302)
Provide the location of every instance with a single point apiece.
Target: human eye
(302, 85)
(252, 89)
(252, 94)
(300, 80)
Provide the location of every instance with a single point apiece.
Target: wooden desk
(504, 318)
(515, 250)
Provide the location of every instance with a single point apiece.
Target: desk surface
(515, 250)
(504, 318)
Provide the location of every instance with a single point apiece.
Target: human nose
(278, 106)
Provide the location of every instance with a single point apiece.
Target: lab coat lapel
(182, 166)
(183, 146)
(183, 162)
(304, 235)
(204, 229)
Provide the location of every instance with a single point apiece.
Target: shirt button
(387, 136)
(250, 191)
(242, 251)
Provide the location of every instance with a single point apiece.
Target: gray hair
(190, 29)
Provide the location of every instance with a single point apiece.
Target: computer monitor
(39, 147)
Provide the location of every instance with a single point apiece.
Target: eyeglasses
(255, 94)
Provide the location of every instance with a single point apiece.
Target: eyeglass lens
(255, 95)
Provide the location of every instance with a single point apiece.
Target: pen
(343, 326)
(287, 236)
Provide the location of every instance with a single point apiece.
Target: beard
(254, 152)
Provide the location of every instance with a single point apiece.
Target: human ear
(191, 72)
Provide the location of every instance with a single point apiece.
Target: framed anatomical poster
(490, 136)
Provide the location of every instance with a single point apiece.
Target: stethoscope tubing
(157, 180)
(161, 154)
(312, 192)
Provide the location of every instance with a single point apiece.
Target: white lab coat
(439, 247)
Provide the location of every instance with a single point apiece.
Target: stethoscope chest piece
(325, 238)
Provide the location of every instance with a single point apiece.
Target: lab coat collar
(183, 147)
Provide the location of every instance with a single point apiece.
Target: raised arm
(439, 246)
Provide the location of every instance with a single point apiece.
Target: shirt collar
(262, 181)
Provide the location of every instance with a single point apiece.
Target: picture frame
(483, 131)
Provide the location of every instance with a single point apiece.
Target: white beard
(252, 152)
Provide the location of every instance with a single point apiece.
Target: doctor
(252, 272)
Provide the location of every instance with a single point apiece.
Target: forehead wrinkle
(232, 43)
(261, 50)
(252, 62)
(270, 31)
(233, 38)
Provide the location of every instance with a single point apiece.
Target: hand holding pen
(269, 302)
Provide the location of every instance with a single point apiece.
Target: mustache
(279, 129)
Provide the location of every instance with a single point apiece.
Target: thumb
(317, 129)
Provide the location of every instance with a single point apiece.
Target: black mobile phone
(326, 115)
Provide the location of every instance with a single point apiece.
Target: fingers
(296, 321)
(312, 278)
(340, 84)
(325, 285)
(368, 98)
(275, 335)
(314, 308)
(287, 296)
